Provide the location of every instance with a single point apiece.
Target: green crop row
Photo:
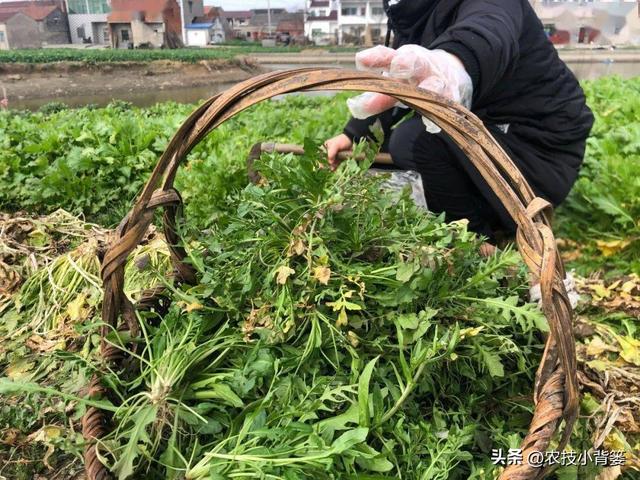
(91, 56)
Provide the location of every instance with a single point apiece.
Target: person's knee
(402, 141)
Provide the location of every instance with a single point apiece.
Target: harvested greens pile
(337, 332)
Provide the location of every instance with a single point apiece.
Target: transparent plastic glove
(434, 70)
(535, 293)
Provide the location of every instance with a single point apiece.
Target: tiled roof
(332, 16)
(289, 25)
(212, 11)
(238, 14)
(121, 16)
(199, 26)
(4, 16)
(38, 11)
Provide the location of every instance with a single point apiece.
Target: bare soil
(56, 81)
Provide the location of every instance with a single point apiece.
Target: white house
(361, 22)
(321, 22)
(88, 21)
(189, 10)
(205, 33)
(595, 21)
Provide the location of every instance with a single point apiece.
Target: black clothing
(520, 84)
(447, 184)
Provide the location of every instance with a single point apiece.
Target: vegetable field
(336, 331)
(92, 56)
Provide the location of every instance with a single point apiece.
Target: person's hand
(334, 145)
(434, 70)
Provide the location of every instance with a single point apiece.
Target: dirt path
(57, 81)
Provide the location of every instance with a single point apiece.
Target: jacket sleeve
(485, 37)
(356, 129)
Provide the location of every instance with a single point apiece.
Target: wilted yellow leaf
(596, 347)
(627, 287)
(76, 310)
(45, 435)
(470, 332)
(343, 320)
(630, 349)
(599, 365)
(18, 369)
(194, 306)
(600, 291)
(322, 274)
(52, 432)
(612, 247)
(283, 273)
(614, 441)
(353, 339)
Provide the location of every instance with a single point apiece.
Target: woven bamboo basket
(555, 390)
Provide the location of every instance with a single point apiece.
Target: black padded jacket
(518, 80)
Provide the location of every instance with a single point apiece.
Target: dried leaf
(322, 274)
(283, 273)
(609, 473)
(596, 347)
(297, 247)
(10, 437)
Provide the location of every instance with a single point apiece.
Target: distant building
(211, 28)
(357, 22)
(201, 34)
(189, 11)
(145, 23)
(593, 22)
(262, 23)
(88, 21)
(361, 22)
(239, 21)
(321, 22)
(291, 29)
(18, 30)
(33, 24)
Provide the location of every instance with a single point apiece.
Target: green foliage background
(94, 161)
